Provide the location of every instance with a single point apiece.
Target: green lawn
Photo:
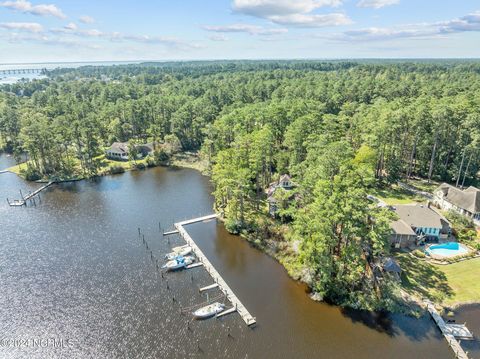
(423, 185)
(423, 280)
(105, 164)
(395, 195)
(464, 279)
(443, 284)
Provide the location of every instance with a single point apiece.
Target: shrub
(418, 253)
(151, 162)
(31, 174)
(116, 170)
(161, 157)
(140, 166)
(233, 226)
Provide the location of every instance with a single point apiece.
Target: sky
(120, 30)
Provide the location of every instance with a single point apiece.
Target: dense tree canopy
(336, 127)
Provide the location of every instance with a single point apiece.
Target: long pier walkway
(222, 285)
(23, 201)
(450, 332)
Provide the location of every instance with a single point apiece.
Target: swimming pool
(450, 249)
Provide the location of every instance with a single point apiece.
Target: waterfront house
(285, 184)
(402, 234)
(466, 202)
(118, 151)
(416, 223)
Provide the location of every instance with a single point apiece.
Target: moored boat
(179, 248)
(178, 262)
(181, 252)
(209, 310)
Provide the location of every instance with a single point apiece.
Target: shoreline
(185, 159)
(280, 252)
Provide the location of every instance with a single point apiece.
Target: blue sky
(121, 30)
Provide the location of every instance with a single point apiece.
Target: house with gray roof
(416, 222)
(118, 151)
(465, 202)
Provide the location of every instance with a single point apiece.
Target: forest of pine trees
(338, 128)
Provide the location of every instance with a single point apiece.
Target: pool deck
(437, 256)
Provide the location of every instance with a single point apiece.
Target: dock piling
(222, 285)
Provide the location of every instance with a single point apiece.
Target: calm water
(74, 268)
(12, 78)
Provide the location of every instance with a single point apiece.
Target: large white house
(118, 151)
(465, 202)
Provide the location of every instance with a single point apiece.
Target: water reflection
(75, 267)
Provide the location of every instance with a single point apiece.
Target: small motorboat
(181, 252)
(179, 248)
(209, 310)
(178, 262)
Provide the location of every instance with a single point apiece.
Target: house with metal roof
(465, 202)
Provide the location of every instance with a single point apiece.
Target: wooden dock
(448, 331)
(30, 196)
(222, 285)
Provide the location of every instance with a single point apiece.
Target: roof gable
(468, 199)
(419, 216)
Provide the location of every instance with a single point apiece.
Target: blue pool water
(449, 249)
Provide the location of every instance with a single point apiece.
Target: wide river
(73, 269)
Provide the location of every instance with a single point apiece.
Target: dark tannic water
(73, 268)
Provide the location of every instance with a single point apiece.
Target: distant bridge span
(22, 71)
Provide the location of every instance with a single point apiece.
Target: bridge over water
(22, 71)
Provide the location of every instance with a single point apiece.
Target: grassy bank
(447, 285)
(108, 166)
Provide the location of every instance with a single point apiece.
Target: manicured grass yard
(444, 284)
(395, 195)
(464, 279)
(423, 185)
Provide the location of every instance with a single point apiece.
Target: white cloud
(43, 39)
(218, 37)
(267, 8)
(40, 10)
(470, 22)
(86, 19)
(170, 42)
(302, 20)
(377, 4)
(293, 12)
(71, 26)
(467, 23)
(22, 26)
(246, 28)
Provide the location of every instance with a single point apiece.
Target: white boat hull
(182, 252)
(209, 311)
(178, 263)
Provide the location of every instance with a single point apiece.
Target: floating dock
(450, 332)
(222, 285)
